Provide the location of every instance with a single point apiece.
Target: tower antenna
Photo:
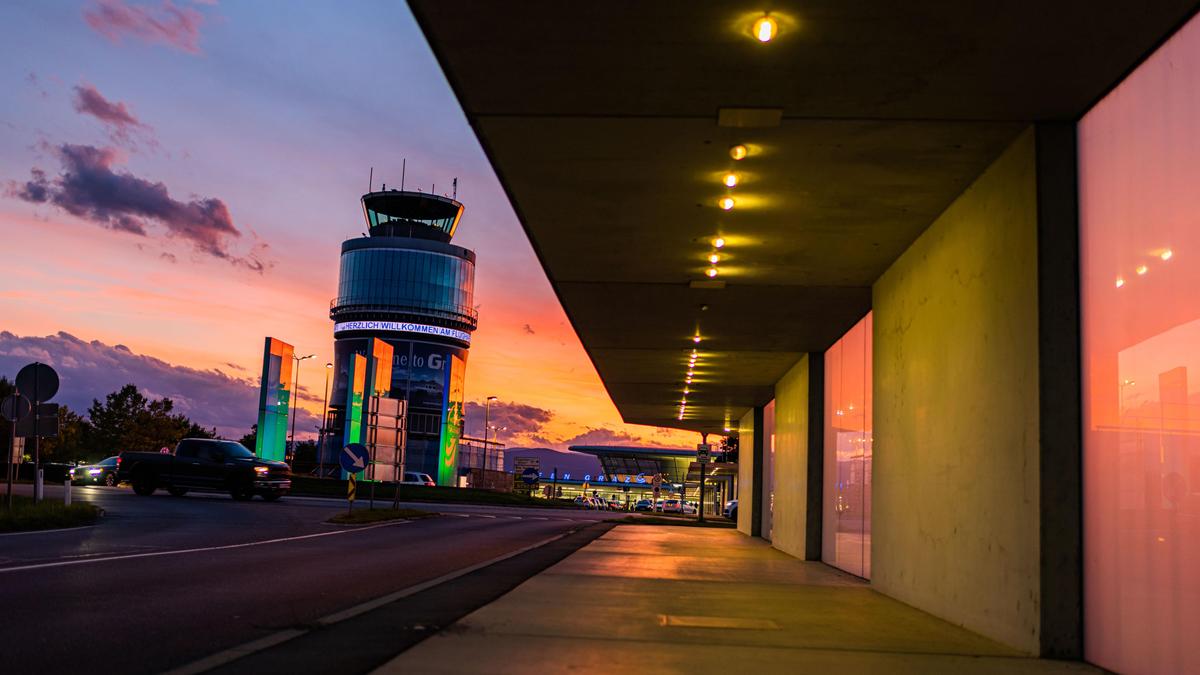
(403, 168)
(371, 180)
(455, 188)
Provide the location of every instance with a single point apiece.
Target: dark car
(103, 472)
(208, 465)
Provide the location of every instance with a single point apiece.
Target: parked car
(672, 506)
(417, 478)
(205, 464)
(731, 509)
(582, 502)
(643, 505)
(688, 508)
(103, 472)
(616, 505)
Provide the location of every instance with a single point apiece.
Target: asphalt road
(165, 581)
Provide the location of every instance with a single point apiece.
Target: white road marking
(61, 529)
(481, 515)
(226, 547)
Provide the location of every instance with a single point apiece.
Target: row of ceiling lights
(1141, 270)
(764, 30)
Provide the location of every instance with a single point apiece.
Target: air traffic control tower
(406, 284)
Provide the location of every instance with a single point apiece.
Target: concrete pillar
(816, 455)
(1059, 385)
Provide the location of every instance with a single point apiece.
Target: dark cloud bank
(91, 370)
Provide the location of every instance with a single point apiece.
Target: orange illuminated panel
(1139, 168)
(846, 510)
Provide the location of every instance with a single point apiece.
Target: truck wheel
(143, 483)
(241, 494)
(177, 491)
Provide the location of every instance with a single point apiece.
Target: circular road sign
(354, 458)
(14, 407)
(38, 380)
(530, 476)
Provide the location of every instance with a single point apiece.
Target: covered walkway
(698, 600)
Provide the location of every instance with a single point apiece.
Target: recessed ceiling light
(765, 28)
(714, 258)
(730, 179)
(1166, 255)
(738, 152)
(1142, 269)
(726, 203)
(1120, 282)
(718, 242)
(712, 272)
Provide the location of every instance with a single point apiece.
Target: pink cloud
(115, 115)
(90, 188)
(177, 27)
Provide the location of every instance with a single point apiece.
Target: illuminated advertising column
(352, 429)
(274, 400)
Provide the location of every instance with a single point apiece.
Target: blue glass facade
(403, 277)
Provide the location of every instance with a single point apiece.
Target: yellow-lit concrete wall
(746, 494)
(791, 460)
(955, 515)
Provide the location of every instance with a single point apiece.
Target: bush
(328, 487)
(46, 515)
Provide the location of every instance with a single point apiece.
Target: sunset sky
(175, 181)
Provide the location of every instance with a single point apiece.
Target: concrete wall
(746, 494)
(791, 461)
(956, 521)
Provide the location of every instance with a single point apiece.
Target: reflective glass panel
(1139, 187)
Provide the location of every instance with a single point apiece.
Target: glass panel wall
(1139, 182)
(846, 525)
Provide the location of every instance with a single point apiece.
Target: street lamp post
(324, 417)
(487, 409)
(296, 399)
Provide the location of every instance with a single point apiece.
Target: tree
(127, 420)
(71, 444)
(251, 439)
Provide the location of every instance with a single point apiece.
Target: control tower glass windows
(402, 278)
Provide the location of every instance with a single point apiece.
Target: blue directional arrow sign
(530, 476)
(354, 458)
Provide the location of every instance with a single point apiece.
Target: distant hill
(574, 463)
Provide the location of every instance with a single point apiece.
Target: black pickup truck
(203, 464)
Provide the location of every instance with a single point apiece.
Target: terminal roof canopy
(601, 120)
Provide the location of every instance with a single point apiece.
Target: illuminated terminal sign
(402, 327)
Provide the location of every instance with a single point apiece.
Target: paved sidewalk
(693, 600)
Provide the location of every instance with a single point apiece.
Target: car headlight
(93, 472)
(261, 470)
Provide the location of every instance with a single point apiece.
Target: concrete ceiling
(600, 119)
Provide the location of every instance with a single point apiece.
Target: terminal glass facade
(846, 528)
(1139, 172)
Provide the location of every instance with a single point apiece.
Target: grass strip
(367, 516)
(49, 514)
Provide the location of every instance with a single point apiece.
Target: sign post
(14, 407)
(40, 380)
(353, 459)
(703, 454)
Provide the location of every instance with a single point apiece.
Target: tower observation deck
(406, 284)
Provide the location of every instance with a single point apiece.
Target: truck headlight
(93, 472)
(261, 470)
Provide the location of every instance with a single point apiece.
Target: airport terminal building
(407, 285)
(931, 261)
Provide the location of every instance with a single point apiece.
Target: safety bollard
(67, 492)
